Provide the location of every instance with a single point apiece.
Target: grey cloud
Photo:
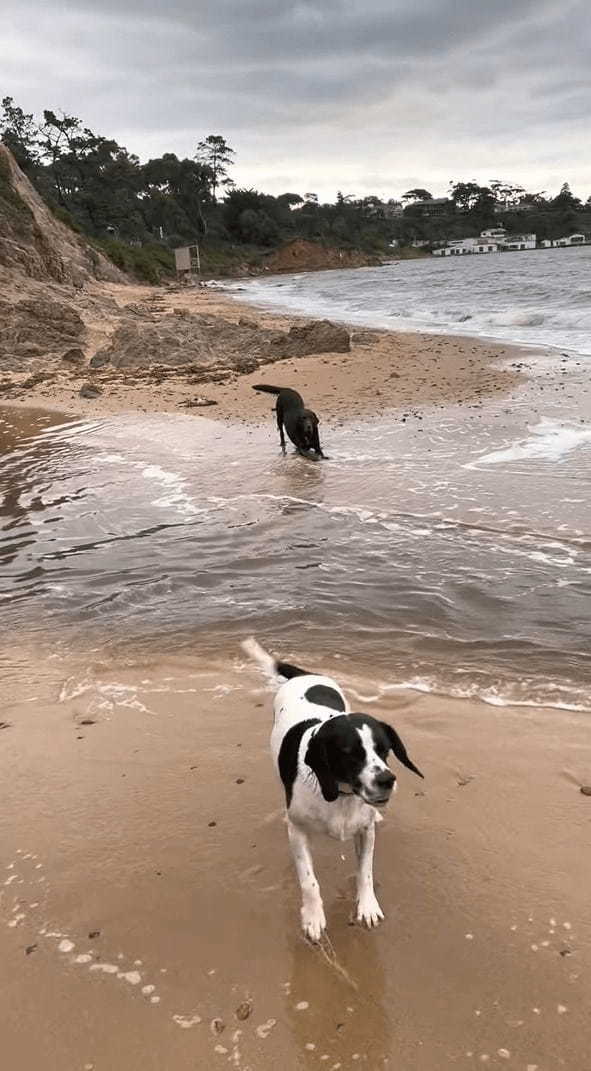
(318, 88)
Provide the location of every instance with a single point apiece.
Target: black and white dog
(333, 767)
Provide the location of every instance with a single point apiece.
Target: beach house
(519, 241)
(493, 240)
(466, 245)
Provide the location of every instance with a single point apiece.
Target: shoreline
(384, 371)
(145, 915)
(148, 904)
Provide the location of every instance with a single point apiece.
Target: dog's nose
(385, 779)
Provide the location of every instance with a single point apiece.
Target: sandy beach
(196, 202)
(383, 371)
(149, 909)
(149, 903)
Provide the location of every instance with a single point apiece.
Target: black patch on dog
(337, 756)
(288, 670)
(325, 697)
(288, 754)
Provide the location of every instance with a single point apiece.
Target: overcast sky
(365, 96)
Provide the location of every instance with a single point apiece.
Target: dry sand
(147, 890)
(383, 371)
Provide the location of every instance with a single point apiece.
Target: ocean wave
(531, 299)
(548, 441)
(533, 693)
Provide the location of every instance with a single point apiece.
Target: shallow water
(540, 297)
(450, 553)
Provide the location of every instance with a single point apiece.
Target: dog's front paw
(313, 921)
(369, 911)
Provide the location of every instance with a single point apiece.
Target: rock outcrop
(35, 244)
(211, 342)
(55, 320)
(35, 328)
(303, 255)
(318, 336)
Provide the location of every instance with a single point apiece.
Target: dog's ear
(316, 759)
(399, 749)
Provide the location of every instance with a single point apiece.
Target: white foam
(490, 695)
(175, 490)
(547, 441)
(105, 696)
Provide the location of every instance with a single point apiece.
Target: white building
(519, 241)
(495, 234)
(465, 246)
(495, 240)
(573, 239)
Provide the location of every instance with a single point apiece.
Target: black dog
(301, 424)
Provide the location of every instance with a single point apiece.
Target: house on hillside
(434, 206)
(523, 206)
(494, 234)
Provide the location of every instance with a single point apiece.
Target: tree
(538, 200)
(417, 194)
(178, 191)
(291, 199)
(566, 198)
(215, 154)
(256, 217)
(20, 133)
(465, 195)
(505, 193)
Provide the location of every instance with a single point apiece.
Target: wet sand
(383, 371)
(147, 889)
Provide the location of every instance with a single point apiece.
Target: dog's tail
(271, 668)
(267, 388)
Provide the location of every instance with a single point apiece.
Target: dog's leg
(279, 412)
(368, 909)
(313, 920)
(317, 446)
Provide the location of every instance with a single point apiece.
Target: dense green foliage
(11, 205)
(138, 212)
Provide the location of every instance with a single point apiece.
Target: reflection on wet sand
(335, 1006)
(146, 869)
